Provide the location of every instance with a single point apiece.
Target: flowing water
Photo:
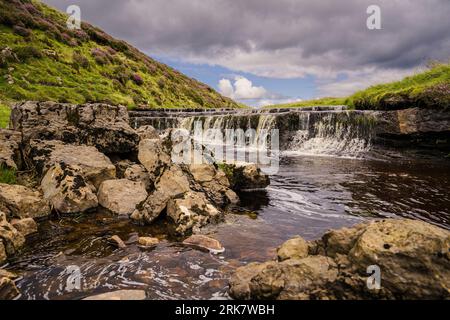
(321, 184)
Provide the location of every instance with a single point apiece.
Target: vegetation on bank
(5, 112)
(429, 89)
(7, 175)
(41, 59)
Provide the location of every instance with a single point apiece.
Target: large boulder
(172, 183)
(294, 248)
(121, 196)
(67, 189)
(147, 132)
(413, 258)
(153, 156)
(25, 226)
(95, 166)
(214, 183)
(104, 126)
(245, 176)
(191, 212)
(138, 173)
(9, 149)
(21, 202)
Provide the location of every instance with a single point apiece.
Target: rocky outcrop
(245, 176)
(412, 256)
(121, 196)
(12, 239)
(67, 189)
(191, 212)
(95, 166)
(9, 149)
(21, 202)
(102, 126)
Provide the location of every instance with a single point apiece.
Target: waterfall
(329, 132)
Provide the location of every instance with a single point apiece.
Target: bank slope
(40, 59)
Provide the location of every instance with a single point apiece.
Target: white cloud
(242, 89)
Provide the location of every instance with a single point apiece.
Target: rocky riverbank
(412, 258)
(79, 158)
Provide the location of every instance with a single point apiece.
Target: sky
(262, 52)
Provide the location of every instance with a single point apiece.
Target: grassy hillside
(430, 89)
(40, 59)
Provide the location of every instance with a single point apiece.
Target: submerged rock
(22, 202)
(117, 242)
(67, 190)
(104, 126)
(205, 242)
(121, 196)
(413, 257)
(148, 241)
(120, 295)
(191, 212)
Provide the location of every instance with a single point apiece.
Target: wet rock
(117, 242)
(22, 202)
(214, 183)
(191, 212)
(9, 148)
(153, 156)
(96, 167)
(120, 295)
(138, 173)
(103, 126)
(413, 257)
(148, 241)
(25, 226)
(121, 196)
(67, 190)
(12, 239)
(8, 289)
(205, 242)
(245, 176)
(296, 248)
(3, 255)
(173, 183)
(147, 132)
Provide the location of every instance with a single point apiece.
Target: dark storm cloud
(280, 38)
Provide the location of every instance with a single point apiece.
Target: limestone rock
(296, 248)
(9, 148)
(153, 156)
(117, 242)
(96, 167)
(413, 258)
(120, 295)
(8, 289)
(103, 126)
(173, 183)
(192, 212)
(22, 202)
(147, 132)
(25, 226)
(67, 190)
(137, 172)
(245, 176)
(148, 241)
(12, 239)
(121, 196)
(205, 242)
(3, 255)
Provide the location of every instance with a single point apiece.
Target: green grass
(429, 89)
(314, 102)
(50, 62)
(5, 111)
(7, 175)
